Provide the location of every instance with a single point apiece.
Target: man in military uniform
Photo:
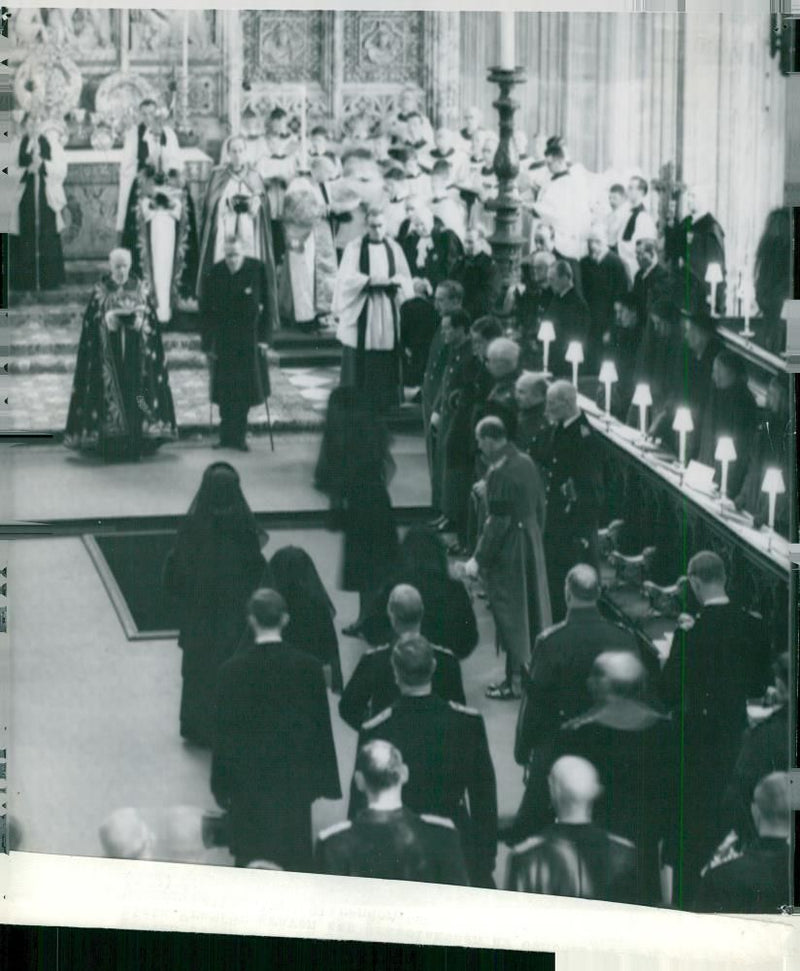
(372, 687)
(533, 428)
(563, 656)
(572, 464)
(446, 750)
(387, 841)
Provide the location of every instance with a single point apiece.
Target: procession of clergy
(384, 237)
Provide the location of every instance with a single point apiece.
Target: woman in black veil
(311, 610)
(354, 469)
(214, 567)
(449, 618)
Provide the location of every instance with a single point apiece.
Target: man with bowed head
(237, 308)
(386, 840)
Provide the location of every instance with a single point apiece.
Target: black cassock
(35, 262)
(121, 403)
(235, 320)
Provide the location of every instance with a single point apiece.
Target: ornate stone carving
(87, 33)
(118, 97)
(48, 83)
(377, 106)
(385, 46)
(262, 98)
(158, 34)
(281, 46)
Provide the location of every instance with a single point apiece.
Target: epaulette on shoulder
(575, 723)
(443, 650)
(552, 629)
(377, 650)
(621, 840)
(377, 720)
(336, 828)
(529, 844)
(463, 709)
(438, 820)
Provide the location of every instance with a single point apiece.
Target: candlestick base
(506, 241)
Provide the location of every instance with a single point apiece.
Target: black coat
(446, 750)
(27, 253)
(758, 882)
(575, 860)
(604, 283)
(561, 664)
(393, 844)
(574, 484)
(478, 276)
(417, 327)
(711, 672)
(235, 319)
(273, 752)
(734, 412)
(571, 320)
(372, 688)
(441, 258)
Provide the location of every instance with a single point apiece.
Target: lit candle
(608, 376)
(546, 334)
(682, 424)
(642, 398)
(303, 128)
(575, 357)
(725, 454)
(186, 46)
(507, 53)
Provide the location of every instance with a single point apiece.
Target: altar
(92, 187)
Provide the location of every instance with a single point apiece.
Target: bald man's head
(582, 586)
(617, 674)
(502, 357)
(771, 805)
(125, 836)
(405, 609)
(379, 767)
(574, 788)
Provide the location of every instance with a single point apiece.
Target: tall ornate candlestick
(506, 241)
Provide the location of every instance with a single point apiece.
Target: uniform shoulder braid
(379, 719)
(336, 828)
(463, 709)
(438, 820)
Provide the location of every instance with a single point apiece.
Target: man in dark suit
(605, 280)
(372, 687)
(570, 316)
(236, 311)
(533, 428)
(651, 283)
(574, 857)
(717, 662)
(758, 881)
(557, 686)
(446, 750)
(273, 752)
(387, 841)
(573, 469)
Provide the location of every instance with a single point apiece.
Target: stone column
(233, 67)
(443, 57)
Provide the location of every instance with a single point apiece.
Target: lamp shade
(773, 483)
(547, 332)
(726, 450)
(608, 373)
(574, 353)
(714, 273)
(642, 396)
(683, 420)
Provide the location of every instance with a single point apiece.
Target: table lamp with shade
(546, 334)
(725, 453)
(608, 376)
(774, 486)
(713, 279)
(643, 399)
(574, 356)
(682, 424)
